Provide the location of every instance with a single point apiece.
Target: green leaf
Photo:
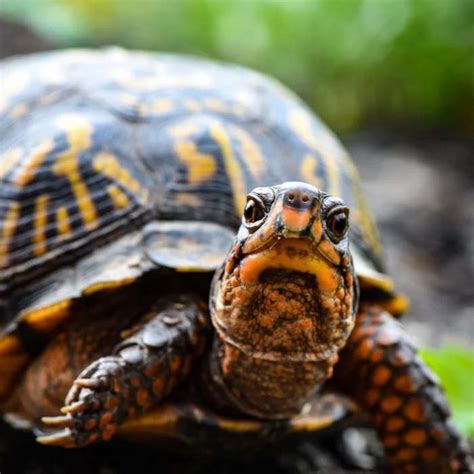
(455, 367)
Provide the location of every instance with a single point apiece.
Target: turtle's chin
(281, 315)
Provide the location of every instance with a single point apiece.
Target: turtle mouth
(287, 238)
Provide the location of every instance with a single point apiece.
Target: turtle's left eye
(254, 211)
(337, 224)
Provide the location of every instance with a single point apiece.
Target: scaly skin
(381, 369)
(143, 369)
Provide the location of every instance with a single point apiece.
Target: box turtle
(176, 264)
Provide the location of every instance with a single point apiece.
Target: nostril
(305, 198)
(291, 197)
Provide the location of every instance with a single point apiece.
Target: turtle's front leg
(382, 370)
(154, 357)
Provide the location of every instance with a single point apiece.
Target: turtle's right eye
(254, 211)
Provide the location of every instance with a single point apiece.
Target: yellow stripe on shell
(18, 111)
(183, 130)
(201, 166)
(39, 224)
(63, 224)
(45, 320)
(300, 123)
(251, 153)
(9, 160)
(192, 105)
(232, 166)
(107, 285)
(160, 106)
(238, 426)
(109, 165)
(118, 197)
(27, 172)
(79, 134)
(8, 230)
(308, 169)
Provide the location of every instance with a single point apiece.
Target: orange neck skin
(281, 315)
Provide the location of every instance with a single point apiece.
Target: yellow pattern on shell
(160, 106)
(183, 130)
(63, 225)
(40, 221)
(251, 153)
(188, 199)
(300, 123)
(109, 165)
(232, 166)
(309, 166)
(9, 160)
(118, 197)
(18, 111)
(9, 226)
(27, 172)
(79, 132)
(201, 166)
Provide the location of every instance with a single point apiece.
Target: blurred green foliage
(455, 368)
(356, 62)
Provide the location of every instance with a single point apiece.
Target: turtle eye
(337, 224)
(254, 211)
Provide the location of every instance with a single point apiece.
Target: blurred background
(393, 78)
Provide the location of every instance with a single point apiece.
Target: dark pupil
(252, 212)
(338, 223)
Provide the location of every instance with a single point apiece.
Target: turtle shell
(115, 163)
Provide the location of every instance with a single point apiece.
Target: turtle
(178, 264)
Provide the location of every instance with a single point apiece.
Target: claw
(92, 384)
(74, 407)
(64, 421)
(61, 438)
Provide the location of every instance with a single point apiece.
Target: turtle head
(286, 294)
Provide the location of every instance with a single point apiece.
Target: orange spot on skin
(294, 220)
(404, 383)
(395, 423)
(390, 404)
(142, 398)
(372, 396)
(9, 226)
(406, 454)
(158, 386)
(415, 437)
(40, 221)
(414, 411)
(381, 376)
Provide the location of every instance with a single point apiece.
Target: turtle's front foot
(145, 368)
(95, 406)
